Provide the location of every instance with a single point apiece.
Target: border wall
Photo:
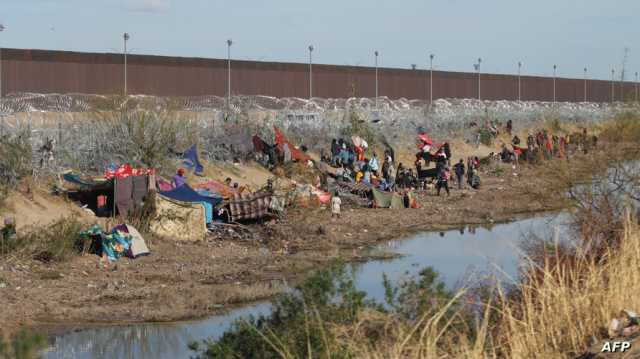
(45, 72)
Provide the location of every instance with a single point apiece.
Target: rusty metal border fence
(43, 71)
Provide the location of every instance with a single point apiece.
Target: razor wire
(87, 132)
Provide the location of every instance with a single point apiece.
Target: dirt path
(190, 280)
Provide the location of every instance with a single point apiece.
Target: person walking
(459, 170)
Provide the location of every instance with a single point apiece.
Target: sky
(572, 34)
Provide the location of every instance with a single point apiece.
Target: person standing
(373, 164)
(443, 180)
(336, 202)
(178, 178)
(392, 175)
(459, 170)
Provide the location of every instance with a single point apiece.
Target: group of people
(546, 145)
(353, 166)
(460, 169)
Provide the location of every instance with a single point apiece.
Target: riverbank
(182, 281)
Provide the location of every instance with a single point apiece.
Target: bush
(625, 128)
(56, 242)
(24, 345)
(15, 161)
(303, 323)
(486, 138)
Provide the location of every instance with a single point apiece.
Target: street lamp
(229, 43)
(636, 86)
(376, 63)
(2, 28)
(519, 87)
(478, 66)
(613, 94)
(310, 76)
(585, 84)
(555, 67)
(126, 38)
(431, 78)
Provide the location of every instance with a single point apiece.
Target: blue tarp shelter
(185, 193)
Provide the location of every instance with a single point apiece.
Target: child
(335, 205)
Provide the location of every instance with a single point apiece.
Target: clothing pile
(123, 240)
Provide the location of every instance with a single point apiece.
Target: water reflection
(145, 341)
(466, 254)
(462, 256)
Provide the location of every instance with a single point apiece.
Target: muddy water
(468, 254)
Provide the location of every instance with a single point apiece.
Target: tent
(181, 221)
(387, 199)
(138, 246)
(97, 194)
(249, 206)
(185, 193)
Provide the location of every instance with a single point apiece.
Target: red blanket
(296, 154)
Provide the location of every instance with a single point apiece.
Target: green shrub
(15, 161)
(300, 324)
(24, 345)
(486, 138)
(625, 128)
(56, 242)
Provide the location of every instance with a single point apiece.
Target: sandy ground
(190, 280)
(37, 208)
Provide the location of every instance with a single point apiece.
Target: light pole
(431, 78)
(636, 86)
(310, 73)
(126, 38)
(2, 28)
(613, 95)
(555, 67)
(519, 87)
(479, 63)
(376, 63)
(585, 84)
(229, 43)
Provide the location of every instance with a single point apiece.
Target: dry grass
(555, 313)
(558, 313)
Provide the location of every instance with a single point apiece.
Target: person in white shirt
(336, 202)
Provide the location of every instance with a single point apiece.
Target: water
(146, 340)
(459, 256)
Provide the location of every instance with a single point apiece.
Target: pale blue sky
(571, 33)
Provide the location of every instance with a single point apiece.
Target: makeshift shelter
(390, 200)
(250, 205)
(123, 240)
(218, 187)
(185, 193)
(181, 221)
(119, 192)
(282, 143)
(138, 245)
(97, 194)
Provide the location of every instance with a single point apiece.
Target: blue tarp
(185, 193)
(190, 157)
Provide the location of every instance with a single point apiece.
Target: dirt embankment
(189, 280)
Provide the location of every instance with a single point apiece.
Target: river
(460, 256)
